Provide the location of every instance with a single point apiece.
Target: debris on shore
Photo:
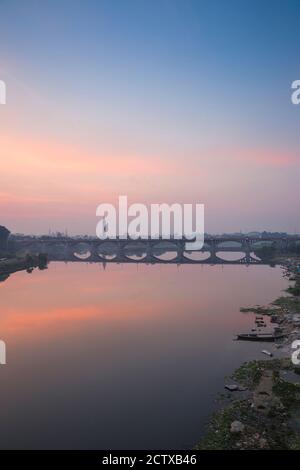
(266, 418)
(267, 353)
(261, 310)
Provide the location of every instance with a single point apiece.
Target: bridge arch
(82, 250)
(165, 251)
(135, 251)
(230, 256)
(107, 250)
(197, 255)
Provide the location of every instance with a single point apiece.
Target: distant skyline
(165, 101)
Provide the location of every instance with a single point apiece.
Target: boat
(268, 353)
(259, 336)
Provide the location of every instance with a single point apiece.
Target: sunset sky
(161, 100)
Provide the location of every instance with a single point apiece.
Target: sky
(185, 101)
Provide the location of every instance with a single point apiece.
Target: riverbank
(267, 417)
(9, 265)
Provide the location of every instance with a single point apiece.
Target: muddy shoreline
(266, 414)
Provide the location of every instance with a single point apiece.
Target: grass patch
(219, 436)
(293, 290)
(249, 373)
(258, 310)
(288, 393)
(288, 303)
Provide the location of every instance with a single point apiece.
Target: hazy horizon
(164, 102)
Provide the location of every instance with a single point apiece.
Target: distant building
(4, 234)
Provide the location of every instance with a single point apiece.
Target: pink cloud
(266, 157)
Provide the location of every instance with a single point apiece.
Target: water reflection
(135, 251)
(131, 357)
(234, 256)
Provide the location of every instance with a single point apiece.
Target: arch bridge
(149, 250)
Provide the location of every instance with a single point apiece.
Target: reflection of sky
(93, 355)
(164, 101)
(85, 293)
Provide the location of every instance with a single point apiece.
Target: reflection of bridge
(147, 250)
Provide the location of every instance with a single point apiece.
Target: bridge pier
(247, 257)
(180, 252)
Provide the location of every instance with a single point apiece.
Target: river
(126, 357)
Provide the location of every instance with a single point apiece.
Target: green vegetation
(288, 393)
(259, 310)
(219, 436)
(249, 373)
(265, 417)
(294, 290)
(288, 303)
(269, 430)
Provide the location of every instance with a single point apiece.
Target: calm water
(128, 357)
